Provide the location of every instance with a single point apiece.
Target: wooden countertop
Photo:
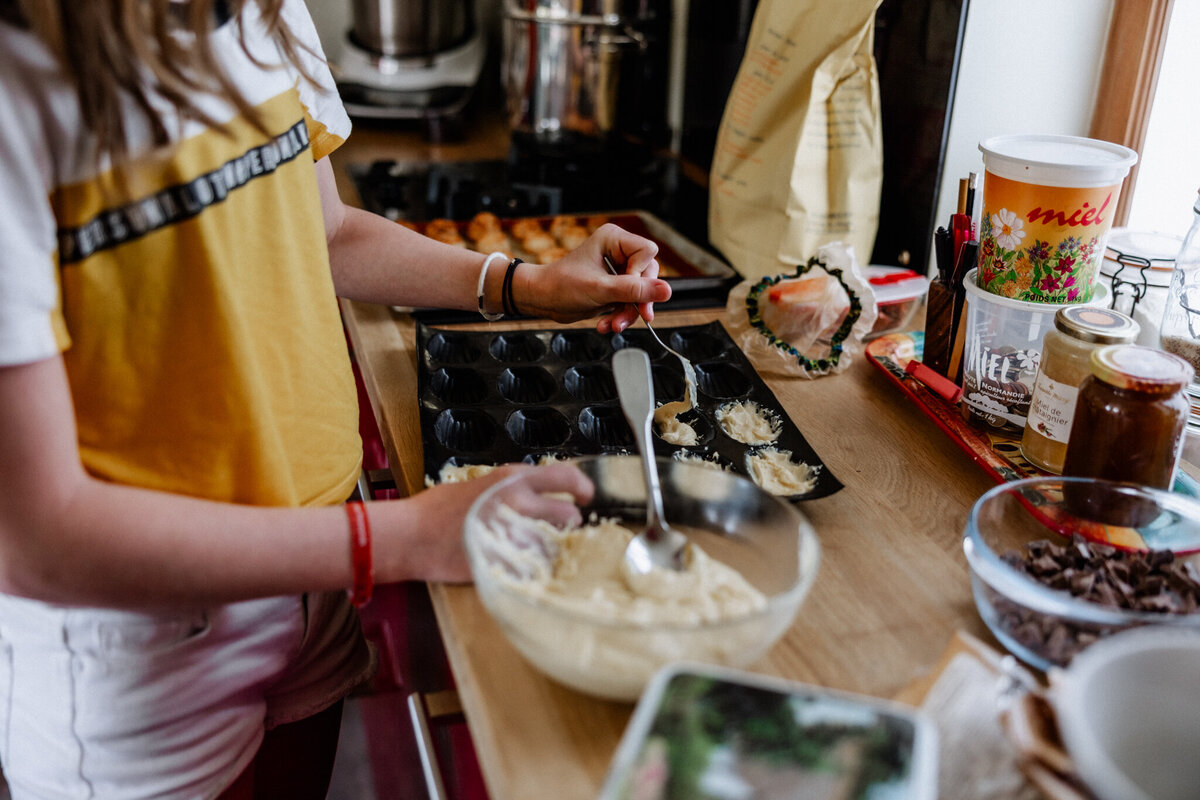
(892, 589)
(893, 584)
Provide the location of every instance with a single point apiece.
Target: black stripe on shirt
(119, 225)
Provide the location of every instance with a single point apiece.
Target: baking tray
(503, 396)
(698, 278)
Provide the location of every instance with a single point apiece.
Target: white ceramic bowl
(761, 536)
(1129, 713)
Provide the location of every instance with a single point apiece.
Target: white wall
(332, 18)
(1027, 66)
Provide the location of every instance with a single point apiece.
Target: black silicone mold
(453, 348)
(697, 345)
(590, 383)
(457, 386)
(723, 380)
(577, 346)
(526, 385)
(668, 383)
(465, 430)
(494, 397)
(606, 427)
(517, 347)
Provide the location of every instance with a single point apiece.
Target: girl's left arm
(376, 260)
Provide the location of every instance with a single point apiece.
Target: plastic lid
(1057, 160)
(895, 284)
(1097, 325)
(1142, 248)
(1130, 366)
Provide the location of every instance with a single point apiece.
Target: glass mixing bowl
(1046, 626)
(766, 539)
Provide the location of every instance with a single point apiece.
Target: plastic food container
(1127, 711)
(732, 734)
(1003, 351)
(898, 294)
(1048, 204)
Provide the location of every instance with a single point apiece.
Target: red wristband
(360, 554)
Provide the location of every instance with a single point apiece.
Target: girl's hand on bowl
(420, 538)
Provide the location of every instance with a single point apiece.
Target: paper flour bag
(799, 155)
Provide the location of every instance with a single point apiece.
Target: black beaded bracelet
(506, 290)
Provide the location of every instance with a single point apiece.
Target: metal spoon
(689, 372)
(658, 546)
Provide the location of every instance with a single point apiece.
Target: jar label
(1043, 243)
(997, 379)
(1053, 408)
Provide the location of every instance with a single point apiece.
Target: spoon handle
(635, 388)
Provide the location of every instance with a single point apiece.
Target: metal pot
(412, 28)
(587, 68)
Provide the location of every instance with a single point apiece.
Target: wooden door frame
(1137, 36)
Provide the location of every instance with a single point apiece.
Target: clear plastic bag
(810, 322)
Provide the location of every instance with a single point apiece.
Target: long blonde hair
(110, 48)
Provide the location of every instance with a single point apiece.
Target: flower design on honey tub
(1061, 272)
(1008, 229)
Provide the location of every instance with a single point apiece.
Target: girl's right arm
(67, 537)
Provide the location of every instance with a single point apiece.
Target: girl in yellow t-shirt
(178, 420)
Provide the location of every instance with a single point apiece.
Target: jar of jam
(1130, 422)
(1066, 361)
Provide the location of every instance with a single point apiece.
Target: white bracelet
(487, 262)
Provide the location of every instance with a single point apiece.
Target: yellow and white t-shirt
(190, 294)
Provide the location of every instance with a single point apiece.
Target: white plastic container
(1048, 205)
(898, 294)
(1003, 349)
(1127, 709)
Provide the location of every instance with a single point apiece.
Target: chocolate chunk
(1159, 558)
(1163, 602)
(1153, 584)
(1082, 582)
(1154, 581)
(1038, 548)
(1046, 565)
(1105, 595)
(1118, 569)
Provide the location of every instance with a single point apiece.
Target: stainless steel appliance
(416, 59)
(404, 29)
(587, 70)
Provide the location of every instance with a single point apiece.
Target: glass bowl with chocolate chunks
(1057, 563)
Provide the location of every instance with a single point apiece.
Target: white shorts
(114, 704)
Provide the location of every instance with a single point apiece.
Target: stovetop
(528, 185)
(544, 184)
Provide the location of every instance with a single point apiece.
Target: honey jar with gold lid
(1066, 361)
(1130, 417)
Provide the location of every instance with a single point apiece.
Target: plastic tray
(997, 450)
(503, 396)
